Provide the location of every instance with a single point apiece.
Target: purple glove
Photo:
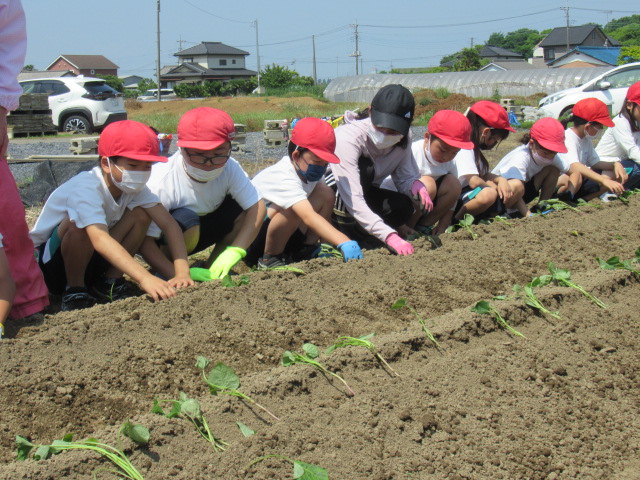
(398, 245)
(421, 195)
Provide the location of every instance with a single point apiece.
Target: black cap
(393, 107)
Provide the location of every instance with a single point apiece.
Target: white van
(610, 87)
(152, 94)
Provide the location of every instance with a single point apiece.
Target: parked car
(79, 104)
(610, 87)
(152, 94)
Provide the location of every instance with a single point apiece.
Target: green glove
(225, 262)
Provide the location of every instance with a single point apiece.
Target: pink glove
(398, 245)
(421, 195)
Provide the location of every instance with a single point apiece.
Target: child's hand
(157, 288)
(180, 281)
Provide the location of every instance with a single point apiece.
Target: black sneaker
(306, 252)
(76, 298)
(110, 289)
(567, 197)
(270, 261)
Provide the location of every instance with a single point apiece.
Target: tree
(629, 54)
(114, 82)
(277, 76)
(146, 84)
(468, 59)
(29, 68)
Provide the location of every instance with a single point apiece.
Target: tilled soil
(561, 403)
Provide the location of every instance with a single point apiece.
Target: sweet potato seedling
(301, 470)
(246, 431)
(223, 380)
(309, 357)
(229, 282)
(615, 263)
(465, 223)
(501, 219)
(190, 409)
(558, 205)
(485, 308)
(533, 301)
(363, 341)
(402, 302)
(562, 277)
(137, 433)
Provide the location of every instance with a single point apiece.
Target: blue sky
(404, 33)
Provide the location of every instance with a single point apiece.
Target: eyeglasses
(200, 159)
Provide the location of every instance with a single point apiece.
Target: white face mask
(588, 135)
(132, 182)
(201, 175)
(427, 153)
(381, 140)
(539, 159)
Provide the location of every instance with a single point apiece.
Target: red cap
(593, 110)
(451, 127)
(130, 139)
(316, 135)
(205, 128)
(494, 115)
(633, 94)
(549, 133)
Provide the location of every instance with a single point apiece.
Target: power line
(213, 15)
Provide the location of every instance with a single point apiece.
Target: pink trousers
(31, 292)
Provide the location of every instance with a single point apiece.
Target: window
(187, 60)
(223, 62)
(51, 87)
(624, 79)
(233, 61)
(549, 54)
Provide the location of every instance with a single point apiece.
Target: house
(207, 61)
(554, 45)
(581, 57)
(130, 82)
(491, 52)
(503, 66)
(89, 65)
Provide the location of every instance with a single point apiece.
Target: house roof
(577, 35)
(510, 65)
(195, 70)
(96, 62)
(493, 51)
(604, 54)
(35, 74)
(211, 48)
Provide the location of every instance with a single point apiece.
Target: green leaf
(288, 359)
(311, 350)
(68, 437)
(202, 362)
(246, 431)
(227, 281)
(157, 409)
(401, 302)
(137, 433)
(367, 336)
(42, 453)
(467, 220)
(308, 471)
(450, 229)
(224, 377)
(501, 297)
(330, 349)
(24, 448)
(175, 410)
(191, 408)
(482, 307)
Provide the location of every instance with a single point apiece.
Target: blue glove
(350, 250)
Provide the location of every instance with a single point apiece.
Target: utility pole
(471, 43)
(313, 42)
(566, 11)
(255, 24)
(158, 53)
(356, 54)
(180, 42)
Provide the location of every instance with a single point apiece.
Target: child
(448, 131)
(533, 168)
(482, 191)
(91, 225)
(299, 203)
(588, 175)
(7, 288)
(621, 143)
(209, 195)
(370, 149)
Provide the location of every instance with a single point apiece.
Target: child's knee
(451, 186)
(487, 196)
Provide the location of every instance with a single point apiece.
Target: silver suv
(79, 104)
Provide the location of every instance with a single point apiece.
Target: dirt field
(561, 403)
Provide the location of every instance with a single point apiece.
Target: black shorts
(256, 249)
(214, 226)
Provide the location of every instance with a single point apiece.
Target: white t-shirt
(619, 142)
(86, 200)
(465, 164)
(177, 190)
(579, 149)
(432, 169)
(281, 185)
(519, 164)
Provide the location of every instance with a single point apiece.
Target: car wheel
(77, 124)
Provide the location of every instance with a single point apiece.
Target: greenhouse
(362, 88)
